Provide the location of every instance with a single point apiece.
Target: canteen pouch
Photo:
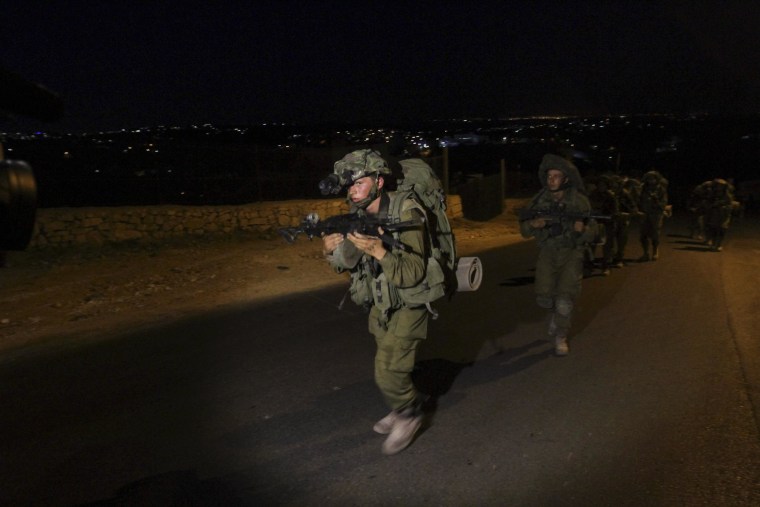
(428, 290)
(360, 288)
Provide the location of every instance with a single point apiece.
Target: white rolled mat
(469, 274)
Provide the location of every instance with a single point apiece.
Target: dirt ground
(87, 293)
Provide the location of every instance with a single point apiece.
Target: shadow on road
(518, 281)
(182, 487)
(245, 392)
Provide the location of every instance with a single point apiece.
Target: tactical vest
(369, 287)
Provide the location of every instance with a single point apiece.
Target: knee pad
(546, 302)
(564, 307)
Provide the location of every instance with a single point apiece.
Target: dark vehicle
(18, 188)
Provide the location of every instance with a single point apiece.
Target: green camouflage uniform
(398, 328)
(604, 201)
(628, 208)
(652, 202)
(720, 204)
(697, 206)
(559, 268)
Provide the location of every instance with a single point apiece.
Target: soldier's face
(362, 187)
(554, 179)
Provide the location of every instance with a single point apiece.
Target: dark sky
(140, 63)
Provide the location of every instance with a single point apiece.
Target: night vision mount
(334, 183)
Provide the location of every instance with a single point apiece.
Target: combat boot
(645, 247)
(560, 345)
(655, 252)
(405, 426)
(718, 243)
(385, 425)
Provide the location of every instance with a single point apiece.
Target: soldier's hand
(368, 244)
(331, 242)
(579, 226)
(537, 223)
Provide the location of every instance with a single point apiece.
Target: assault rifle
(553, 216)
(312, 226)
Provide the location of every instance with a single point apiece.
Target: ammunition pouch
(430, 289)
(384, 294)
(360, 290)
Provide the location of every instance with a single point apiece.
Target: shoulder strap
(403, 200)
(537, 197)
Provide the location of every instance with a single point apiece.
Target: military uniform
(605, 202)
(397, 327)
(385, 286)
(627, 208)
(652, 203)
(719, 207)
(697, 206)
(559, 268)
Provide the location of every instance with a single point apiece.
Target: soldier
(604, 201)
(697, 206)
(625, 189)
(561, 243)
(633, 187)
(377, 273)
(653, 203)
(720, 204)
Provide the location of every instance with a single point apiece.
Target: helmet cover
(551, 161)
(359, 164)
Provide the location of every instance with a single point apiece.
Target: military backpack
(421, 185)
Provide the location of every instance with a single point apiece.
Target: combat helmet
(608, 181)
(653, 178)
(720, 186)
(360, 164)
(616, 182)
(551, 161)
(721, 183)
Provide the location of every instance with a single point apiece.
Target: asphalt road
(273, 404)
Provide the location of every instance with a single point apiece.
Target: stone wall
(97, 226)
